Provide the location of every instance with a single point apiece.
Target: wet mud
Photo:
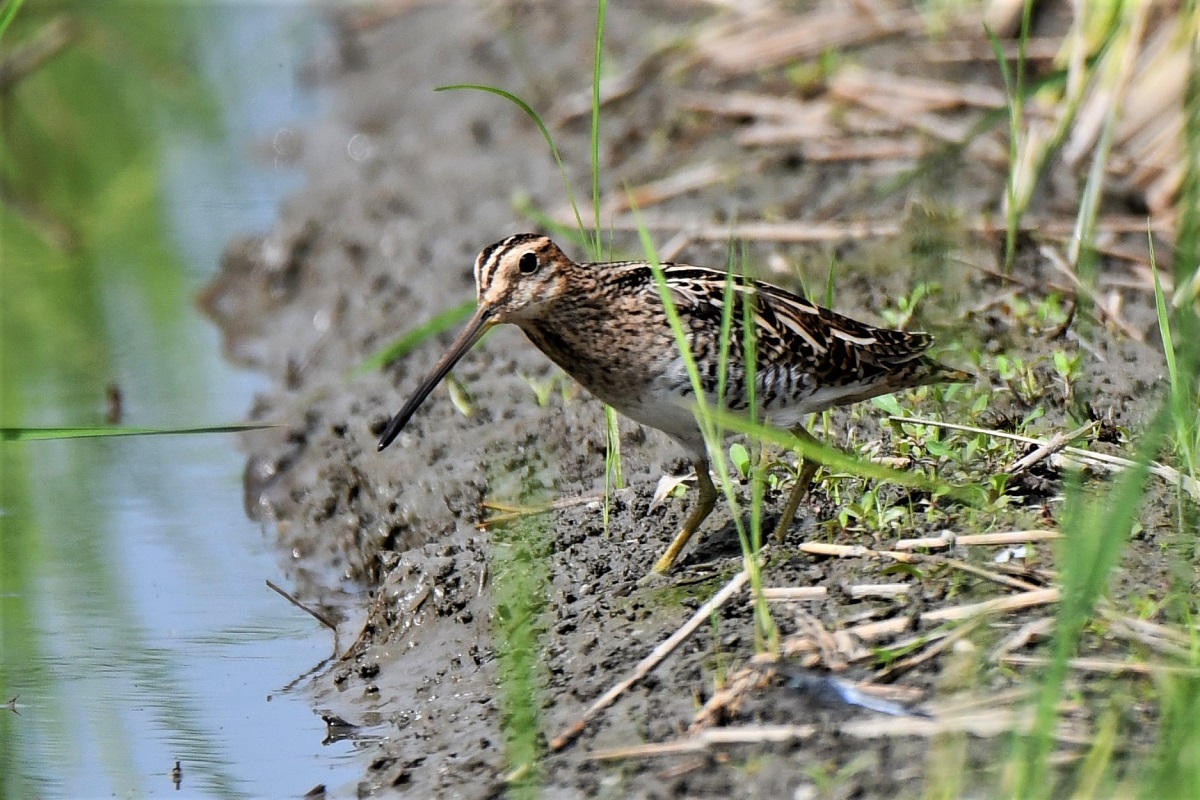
(404, 187)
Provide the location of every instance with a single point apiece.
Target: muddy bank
(405, 185)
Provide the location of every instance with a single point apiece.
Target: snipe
(606, 326)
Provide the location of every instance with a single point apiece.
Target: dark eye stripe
(486, 255)
(492, 255)
(485, 263)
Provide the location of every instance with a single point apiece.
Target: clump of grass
(1014, 89)
(1095, 531)
(1097, 524)
(521, 575)
(1103, 39)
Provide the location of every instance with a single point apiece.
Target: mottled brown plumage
(606, 326)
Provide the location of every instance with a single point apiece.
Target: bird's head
(516, 280)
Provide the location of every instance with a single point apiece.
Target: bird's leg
(704, 505)
(808, 468)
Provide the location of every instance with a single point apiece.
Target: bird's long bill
(476, 328)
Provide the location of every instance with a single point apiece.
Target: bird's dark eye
(528, 264)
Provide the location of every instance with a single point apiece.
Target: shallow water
(137, 626)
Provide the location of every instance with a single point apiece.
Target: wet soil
(405, 186)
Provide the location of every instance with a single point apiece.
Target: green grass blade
(727, 305)
(614, 478)
(8, 13)
(1096, 529)
(519, 566)
(673, 319)
(750, 357)
(766, 631)
(437, 324)
(1172, 770)
(533, 115)
(601, 10)
(1187, 240)
(563, 234)
(829, 278)
(17, 434)
(1011, 93)
(1183, 409)
(1080, 251)
(1164, 325)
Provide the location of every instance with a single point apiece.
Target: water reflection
(135, 625)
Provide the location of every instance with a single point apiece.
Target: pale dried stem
(932, 651)
(1106, 666)
(991, 721)
(808, 232)
(1054, 445)
(769, 40)
(857, 551)
(689, 179)
(884, 590)
(647, 665)
(1029, 632)
(1103, 309)
(920, 93)
(949, 539)
(1074, 456)
(1044, 48)
(511, 513)
(794, 594)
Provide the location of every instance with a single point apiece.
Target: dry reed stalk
(1073, 456)
(884, 590)
(989, 722)
(803, 232)
(1056, 443)
(949, 539)
(794, 594)
(765, 40)
(1037, 48)
(914, 92)
(647, 664)
(1029, 632)
(1106, 666)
